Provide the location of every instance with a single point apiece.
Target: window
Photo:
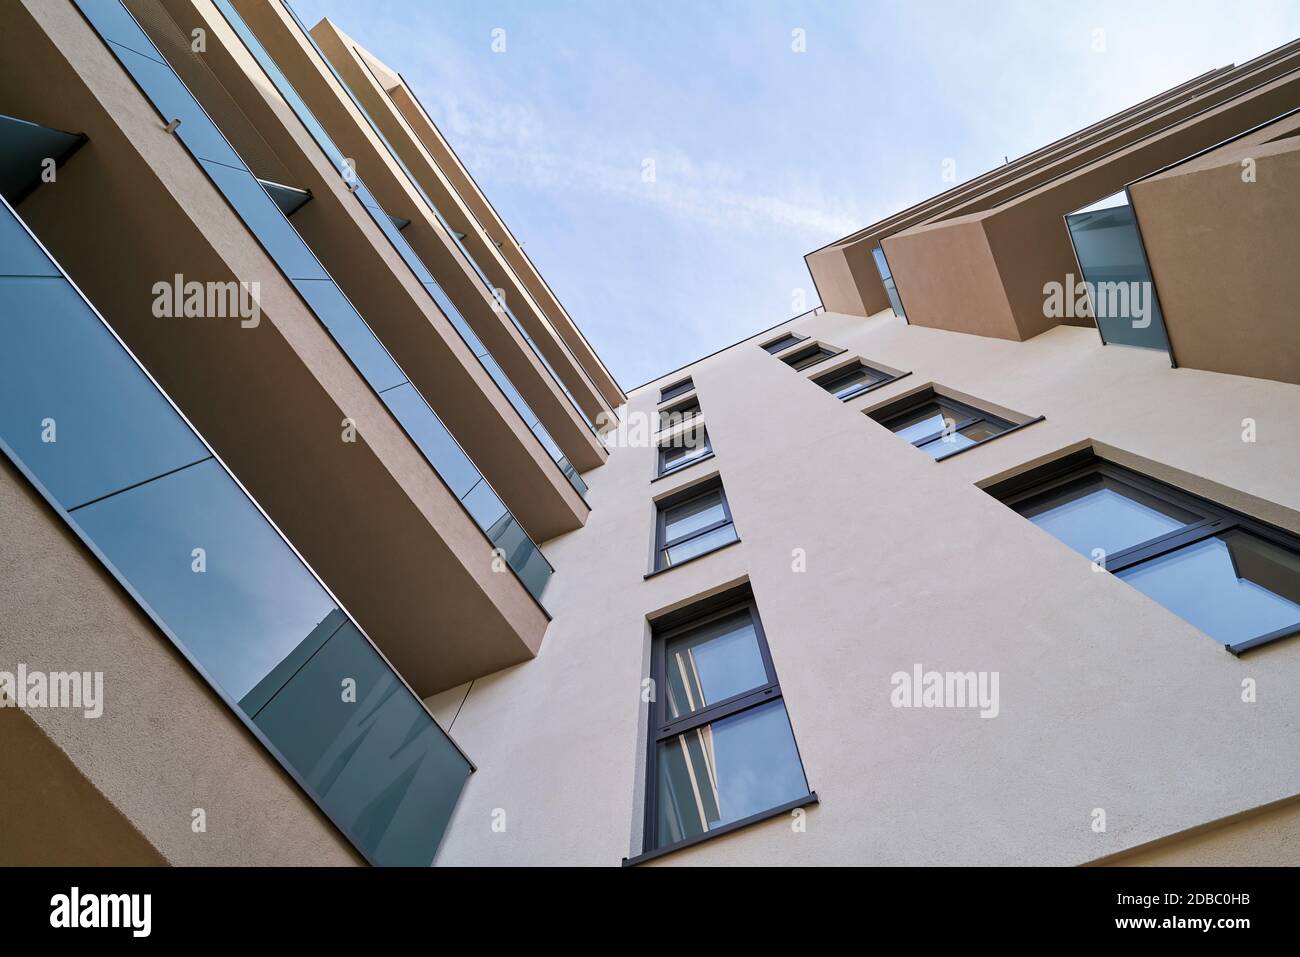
(721, 750)
(783, 343)
(692, 523)
(1235, 579)
(853, 380)
(1108, 247)
(941, 426)
(809, 356)
(677, 414)
(887, 280)
(676, 389)
(684, 448)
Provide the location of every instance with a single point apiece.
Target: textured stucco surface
(1107, 700)
(1268, 838)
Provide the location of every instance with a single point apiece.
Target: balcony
(117, 462)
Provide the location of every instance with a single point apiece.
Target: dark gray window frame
(679, 408)
(890, 415)
(678, 388)
(662, 470)
(827, 379)
(807, 356)
(689, 494)
(779, 344)
(661, 728)
(1042, 485)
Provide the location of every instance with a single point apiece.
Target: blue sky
(760, 153)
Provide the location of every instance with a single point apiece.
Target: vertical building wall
(1107, 700)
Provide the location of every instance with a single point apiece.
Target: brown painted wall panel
(1225, 258)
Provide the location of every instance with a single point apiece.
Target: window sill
(672, 473)
(991, 438)
(1243, 646)
(807, 800)
(693, 558)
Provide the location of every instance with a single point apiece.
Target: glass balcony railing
(276, 234)
(1115, 274)
(403, 248)
(110, 453)
(887, 278)
(458, 237)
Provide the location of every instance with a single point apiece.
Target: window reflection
(368, 748)
(712, 664)
(241, 605)
(1100, 513)
(57, 364)
(727, 771)
(1234, 587)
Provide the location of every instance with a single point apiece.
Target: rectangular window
(721, 749)
(676, 389)
(941, 426)
(1235, 579)
(853, 380)
(887, 280)
(679, 413)
(693, 523)
(684, 448)
(809, 356)
(783, 343)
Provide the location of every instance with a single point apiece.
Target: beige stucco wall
(1107, 700)
(1265, 838)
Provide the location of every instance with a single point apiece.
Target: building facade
(362, 555)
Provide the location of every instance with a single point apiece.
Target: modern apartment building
(330, 540)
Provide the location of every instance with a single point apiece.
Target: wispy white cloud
(761, 154)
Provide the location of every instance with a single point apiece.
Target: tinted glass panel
(1102, 513)
(113, 23)
(282, 84)
(173, 101)
(523, 556)
(266, 222)
(671, 417)
(891, 290)
(981, 431)
(676, 456)
(712, 664)
(946, 445)
(1233, 587)
(679, 388)
(691, 516)
(727, 771)
(351, 333)
(925, 421)
(251, 604)
(851, 381)
(433, 439)
(1114, 265)
(486, 507)
(376, 759)
(807, 357)
(57, 365)
(707, 542)
(683, 448)
(785, 342)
